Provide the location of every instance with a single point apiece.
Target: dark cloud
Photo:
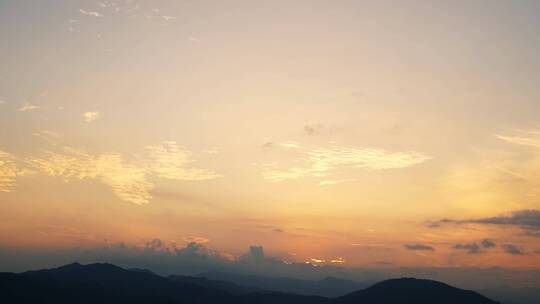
(279, 230)
(313, 129)
(194, 249)
(487, 243)
(154, 244)
(418, 247)
(256, 252)
(513, 249)
(524, 219)
(471, 248)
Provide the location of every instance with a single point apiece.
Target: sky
(352, 134)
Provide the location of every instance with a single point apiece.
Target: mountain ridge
(108, 283)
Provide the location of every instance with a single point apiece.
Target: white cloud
(91, 116)
(291, 145)
(320, 162)
(27, 107)
(127, 179)
(90, 13)
(47, 135)
(168, 160)
(9, 171)
(332, 182)
(529, 138)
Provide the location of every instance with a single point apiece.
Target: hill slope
(413, 291)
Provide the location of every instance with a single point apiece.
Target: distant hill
(413, 291)
(328, 287)
(107, 283)
(509, 295)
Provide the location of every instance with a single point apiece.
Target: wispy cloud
(529, 138)
(320, 162)
(418, 247)
(9, 171)
(339, 260)
(525, 219)
(128, 179)
(290, 145)
(90, 13)
(196, 239)
(47, 135)
(91, 116)
(27, 107)
(168, 160)
(332, 182)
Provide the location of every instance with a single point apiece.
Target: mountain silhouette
(107, 283)
(413, 291)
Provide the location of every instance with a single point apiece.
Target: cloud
(2, 102)
(90, 13)
(529, 138)
(27, 107)
(154, 244)
(522, 218)
(91, 116)
(471, 248)
(128, 179)
(9, 171)
(313, 129)
(339, 260)
(47, 135)
(168, 160)
(488, 243)
(290, 145)
(315, 261)
(320, 162)
(196, 239)
(267, 145)
(525, 219)
(333, 182)
(512, 249)
(418, 247)
(198, 250)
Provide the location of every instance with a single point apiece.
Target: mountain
(328, 287)
(510, 295)
(225, 286)
(413, 291)
(107, 283)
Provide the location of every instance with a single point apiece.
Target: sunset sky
(350, 133)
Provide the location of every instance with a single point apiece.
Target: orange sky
(335, 131)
